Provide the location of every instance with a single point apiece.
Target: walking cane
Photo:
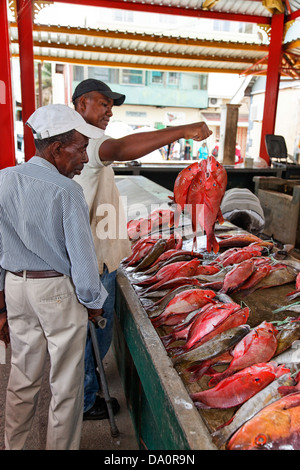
(101, 323)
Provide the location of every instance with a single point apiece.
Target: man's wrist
(2, 310)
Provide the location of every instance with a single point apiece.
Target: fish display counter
(181, 397)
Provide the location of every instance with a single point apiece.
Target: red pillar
(272, 84)
(7, 157)
(25, 20)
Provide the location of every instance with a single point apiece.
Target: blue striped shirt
(44, 225)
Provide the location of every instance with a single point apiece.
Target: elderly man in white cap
(49, 278)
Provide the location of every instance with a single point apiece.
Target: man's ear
(81, 103)
(55, 149)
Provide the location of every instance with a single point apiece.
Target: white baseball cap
(54, 119)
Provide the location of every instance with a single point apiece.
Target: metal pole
(6, 99)
(113, 428)
(25, 20)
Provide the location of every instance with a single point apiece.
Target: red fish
(166, 272)
(243, 254)
(181, 187)
(140, 251)
(238, 388)
(157, 219)
(259, 273)
(257, 346)
(237, 276)
(172, 271)
(216, 319)
(241, 239)
(184, 302)
(275, 427)
(205, 194)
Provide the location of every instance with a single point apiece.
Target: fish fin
(286, 390)
(212, 244)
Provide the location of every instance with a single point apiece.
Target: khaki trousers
(44, 317)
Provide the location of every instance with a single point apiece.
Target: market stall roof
(179, 51)
(147, 49)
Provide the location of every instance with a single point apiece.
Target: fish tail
(201, 405)
(198, 374)
(177, 351)
(168, 339)
(212, 244)
(217, 378)
(157, 321)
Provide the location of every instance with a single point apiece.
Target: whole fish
(236, 389)
(155, 250)
(173, 259)
(184, 302)
(237, 276)
(259, 273)
(241, 239)
(242, 254)
(259, 345)
(250, 408)
(171, 256)
(181, 187)
(217, 345)
(161, 245)
(168, 272)
(135, 250)
(204, 197)
(157, 219)
(217, 184)
(275, 427)
(176, 270)
(215, 320)
(279, 275)
(157, 307)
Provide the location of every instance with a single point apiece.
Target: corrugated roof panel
(176, 49)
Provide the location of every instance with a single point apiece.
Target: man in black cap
(94, 100)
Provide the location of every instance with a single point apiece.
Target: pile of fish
(187, 297)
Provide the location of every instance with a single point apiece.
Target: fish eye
(260, 440)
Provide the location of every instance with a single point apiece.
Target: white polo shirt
(107, 215)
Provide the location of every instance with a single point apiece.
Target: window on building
(157, 77)
(203, 81)
(173, 78)
(78, 73)
(132, 77)
(219, 25)
(99, 73)
(123, 15)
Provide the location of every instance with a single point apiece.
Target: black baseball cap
(91, 84)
